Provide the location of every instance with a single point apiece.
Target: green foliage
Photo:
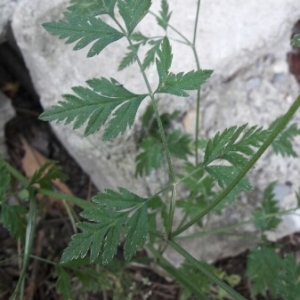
(151, 157)
(224, 176)
(85, 30)
(12, 218)
(4, 180)
(193, 274)
(63, 282)
(235, 145)
(113, 214)
(290, 278)
(176, 84)
(92, 7)
(263, 267)
(298, 198)
(133, 11)
(95, 104)
(46, 173)
(268, 271)
(296, 40)
(164, 15)
(151, 53)
(268, 206)
(283, 143)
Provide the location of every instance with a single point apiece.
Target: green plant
(211, 186)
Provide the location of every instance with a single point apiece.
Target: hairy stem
(204, 271)
(223, 229)
(30, 230)
(199, 90)
(77, 201)
(281, 125)
(160, 127)
(178, 275)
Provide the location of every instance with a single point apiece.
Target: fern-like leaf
(296, 40)
(129, 58)
(114, 213)
(224, 176)
(12, 218)
(133, 11)
(95, 105)
(63, 282)
(268, 206)
(4, 180)
(46, 174)
(176, 84)
(179, 144)
(235, 145)
(84, 30)
(283, 143)
(151, 53)
(164, 15)
(289, 277)
(150, 158)
(263, 267)
(91, 7)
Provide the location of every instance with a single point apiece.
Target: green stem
(203, 270)
(233, 226)
(160, 128)
(199, 90)
(177, 274)
(30, 230)
(77, 201)
(281, 125)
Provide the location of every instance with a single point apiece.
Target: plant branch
(178, 275)
(281, 125)
(77, 201)
(203, 270)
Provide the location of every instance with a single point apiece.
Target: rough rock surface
(246, 45)
(7, 8)
(6, 113)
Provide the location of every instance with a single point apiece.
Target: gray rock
(7, 8)
(244, 43)
(6, 113)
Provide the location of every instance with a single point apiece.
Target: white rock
(6, 113)
(7, 8)
(246, 45)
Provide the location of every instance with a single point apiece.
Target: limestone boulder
(6, 113)
(7, 8)
(244, 43)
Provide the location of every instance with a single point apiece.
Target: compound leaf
(46, 173)
(63, 282)
(224, 176)
(133, 11)
(151, 53)
(150, 158)
(263, 267)
(95, 105)
(179, 144)
(84, 30)
(164, 15)
(12, 218)
(113, 214)
(176, 84)
(296, 40)
(129, 58)
(290, 277)
(283, 143)
(91, 7)
(4, 180)
(234, 144)
(268, 206)
(164, 61)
